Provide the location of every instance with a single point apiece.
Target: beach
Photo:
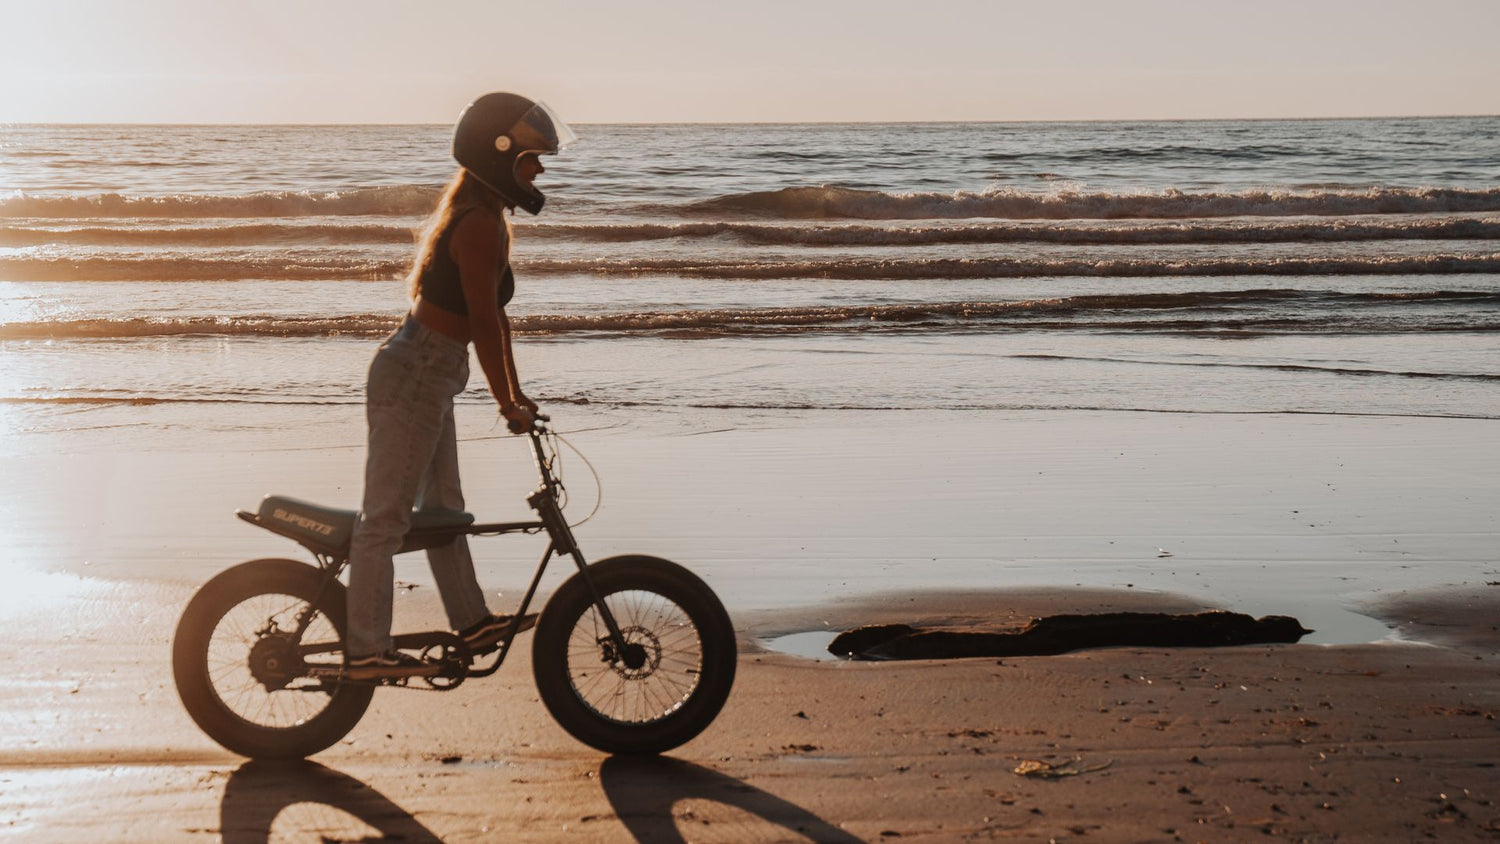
(955, 376)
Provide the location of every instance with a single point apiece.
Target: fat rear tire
(671, 618)
(211, 655)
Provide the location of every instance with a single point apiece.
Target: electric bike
(632, 654)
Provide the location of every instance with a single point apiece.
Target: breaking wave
(268, 325)
(826, 202)
(1191, 310)
(1165, 233)
(395, 200)
(1168, 152)
(352, 268)
(268, 267)
(251, 234)
(793, 203)
(983, 268)
(188, 233)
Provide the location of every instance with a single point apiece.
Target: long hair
(462, 193)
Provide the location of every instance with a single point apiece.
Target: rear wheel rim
(236, 686)
(665, 664)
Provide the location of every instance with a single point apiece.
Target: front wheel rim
(663, 677)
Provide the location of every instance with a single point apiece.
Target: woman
(460, 284)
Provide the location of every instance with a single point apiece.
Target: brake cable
(598, 483)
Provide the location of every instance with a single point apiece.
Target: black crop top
(442, 286)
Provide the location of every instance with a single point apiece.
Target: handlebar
(539, 422)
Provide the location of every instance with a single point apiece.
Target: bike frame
(549, 518)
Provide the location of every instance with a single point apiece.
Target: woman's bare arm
(510, 363)
(481, 249)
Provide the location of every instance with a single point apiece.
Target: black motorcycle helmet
(495, 131)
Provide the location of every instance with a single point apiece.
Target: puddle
(1338, 626)
(810, 645)
(1331, 625)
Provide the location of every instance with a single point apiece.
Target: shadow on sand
(643, 790)
(258, 792)
(328, 805)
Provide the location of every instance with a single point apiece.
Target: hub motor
(642, 653)
(273, 661)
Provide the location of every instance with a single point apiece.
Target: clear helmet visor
(541, 131)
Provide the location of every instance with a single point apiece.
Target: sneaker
(388, 665)
(484, 635)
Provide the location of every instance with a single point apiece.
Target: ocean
(1333, 266)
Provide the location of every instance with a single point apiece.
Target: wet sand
(1264, 514)
(1392, 742)
(817, 524)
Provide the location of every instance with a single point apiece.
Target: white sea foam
(221, 232)
(353, 267)
(177, 268)
(828, 202)
(395, 200)
(179, 233)
(1000, 268)
(1081, 232)
(1266, 308)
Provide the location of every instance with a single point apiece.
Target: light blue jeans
(412, 461)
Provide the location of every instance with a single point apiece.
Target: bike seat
(332, 527)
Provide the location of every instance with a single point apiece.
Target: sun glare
(29, 592)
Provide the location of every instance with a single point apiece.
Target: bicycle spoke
(229, 655)
(652, 691)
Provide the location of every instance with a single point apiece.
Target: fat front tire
(678, 666)
(242, 677)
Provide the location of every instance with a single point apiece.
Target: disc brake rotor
(642, 653)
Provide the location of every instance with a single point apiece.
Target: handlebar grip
(516, 426)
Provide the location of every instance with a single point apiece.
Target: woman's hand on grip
(518, 417)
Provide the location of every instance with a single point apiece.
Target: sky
(376, 61)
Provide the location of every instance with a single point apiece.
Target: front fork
(544, 502)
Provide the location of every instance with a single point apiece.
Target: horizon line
(777, 122)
